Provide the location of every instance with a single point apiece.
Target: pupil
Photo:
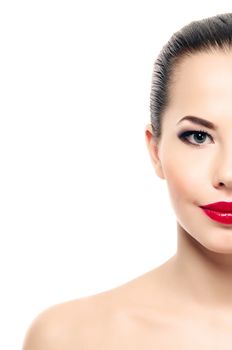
(201, 138)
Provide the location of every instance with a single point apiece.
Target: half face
(195, 157)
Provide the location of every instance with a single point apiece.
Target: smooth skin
(186, 303)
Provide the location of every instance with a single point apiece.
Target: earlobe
(153, 151)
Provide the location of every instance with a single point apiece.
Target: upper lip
(224, 207)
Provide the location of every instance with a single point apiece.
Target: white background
(82, 210)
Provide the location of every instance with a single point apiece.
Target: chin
(219, 243)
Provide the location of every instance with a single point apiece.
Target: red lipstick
(219, 211)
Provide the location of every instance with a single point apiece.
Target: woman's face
(198, 169)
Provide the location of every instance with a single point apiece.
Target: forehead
(203, 80)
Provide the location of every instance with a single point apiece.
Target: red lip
(225, 207)
(220, 211)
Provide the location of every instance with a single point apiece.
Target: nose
(226, 184)
(224, 172)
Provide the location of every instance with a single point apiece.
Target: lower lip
(224, 218)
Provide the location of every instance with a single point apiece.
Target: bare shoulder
(86, 323)
(106, 320)
(67, 325)
(83, 323)
(41, 333)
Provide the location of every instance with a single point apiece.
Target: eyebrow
(199, 121)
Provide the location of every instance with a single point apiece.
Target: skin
(200, 175)
(186, 303)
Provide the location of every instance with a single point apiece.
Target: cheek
(183, 178)
(186, 169)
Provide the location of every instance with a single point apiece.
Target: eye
(199, 136)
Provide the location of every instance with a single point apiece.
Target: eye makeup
(184, 136)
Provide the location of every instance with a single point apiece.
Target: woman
(186, 302)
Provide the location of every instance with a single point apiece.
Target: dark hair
(205, 35)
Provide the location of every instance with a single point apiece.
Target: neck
(203, 275)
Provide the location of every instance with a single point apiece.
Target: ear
(153, 150)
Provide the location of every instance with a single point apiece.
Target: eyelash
(183, 136)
